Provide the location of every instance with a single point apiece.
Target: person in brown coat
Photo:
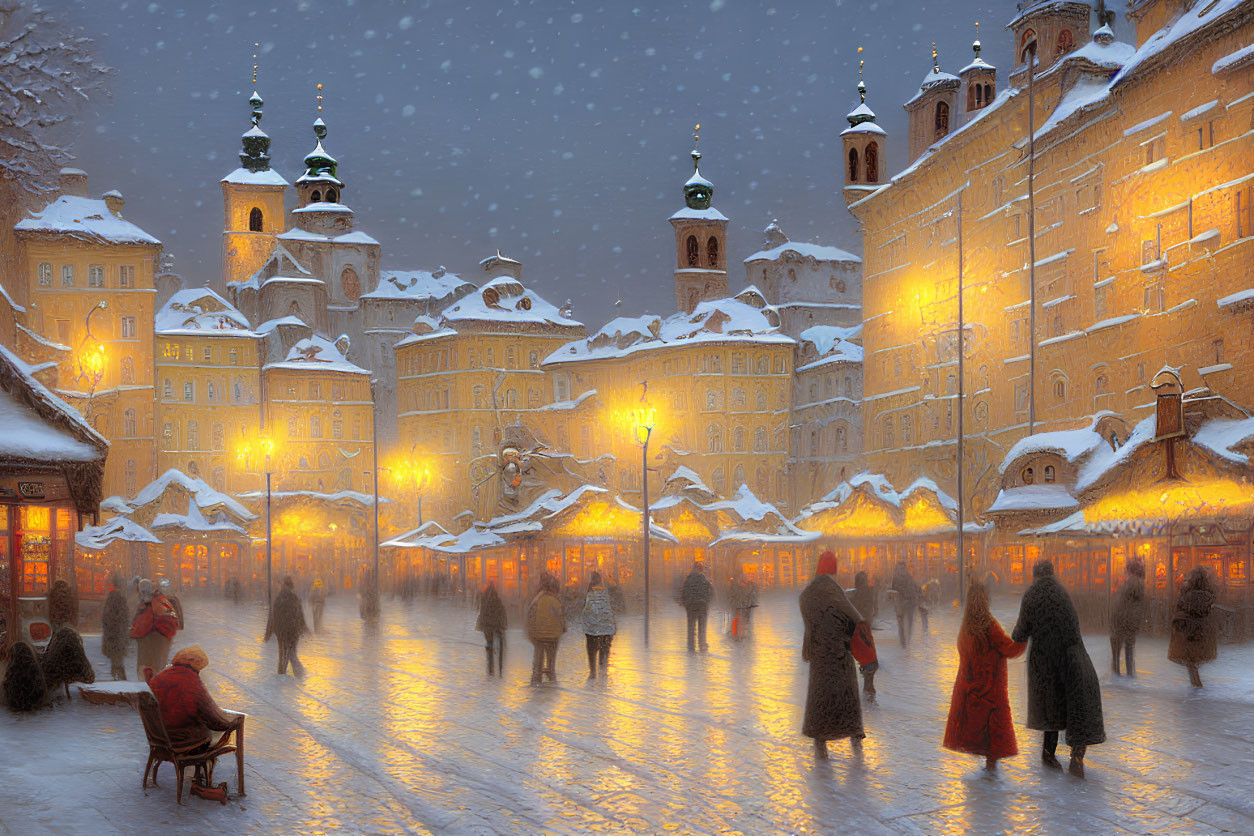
(546, 621)
(1194, 637)
(1127, 615)
(492, 623)
(833, 708)
(287, 624)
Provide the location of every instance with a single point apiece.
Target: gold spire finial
(319, 99)
(935, 63)
(696, 135)
(255, 48)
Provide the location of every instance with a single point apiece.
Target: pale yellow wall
(325, 418)
(243, 252)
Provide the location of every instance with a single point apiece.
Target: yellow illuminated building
(463, 379)
(320, 416)
(208, 388)
(252, 199)
(1132, 250)
(87, 285)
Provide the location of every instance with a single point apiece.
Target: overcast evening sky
(556, 131)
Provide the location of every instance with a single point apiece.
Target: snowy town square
(434, 416)
(402, 731)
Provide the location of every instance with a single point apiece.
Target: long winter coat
(492, 617)
(546, 618)
(598, 614)
(1063, 689)
(1194, 636)
(65, 661)
(979, 711)
(186, 706)
(24, 685)
(863, 599)
(115, 626)
(908, 592)
(1129, 611)
(833, 706)
(697, 591)
(287, 618)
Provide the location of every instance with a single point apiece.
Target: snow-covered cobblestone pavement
(404, 732)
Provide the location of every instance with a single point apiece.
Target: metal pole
(644, 471)
(962, 552)
(374, 443)
(269, 585)
(1031, 240)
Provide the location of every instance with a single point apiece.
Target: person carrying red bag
(153, 629)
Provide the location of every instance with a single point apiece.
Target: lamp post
(91, 356)
(265, 447)
(642, 420)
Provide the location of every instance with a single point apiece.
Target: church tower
(252, 197)
(933, 111)
(700, 242)
(979, 80)
(863, 146)
(1048, 29)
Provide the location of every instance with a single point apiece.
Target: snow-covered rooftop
(201, 311)
(87, 220)
(1033, 498)
(710, 214)
(505, 300)
(204, 496)
(1071, 445)
(99, 537)
(831, 341)
(818, 252)
(244, 177)
(194, 520)
(419, 285)
(1188, 23)
(317, 353)
(713, 321)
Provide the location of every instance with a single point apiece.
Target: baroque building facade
(1099, 209)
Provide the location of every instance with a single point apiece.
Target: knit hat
(193, 656)
(827, 564)
(146, 590)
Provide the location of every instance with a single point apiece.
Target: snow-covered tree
(47, 74)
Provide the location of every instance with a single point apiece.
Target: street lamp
(91, 356)
(262, 446)
(642, 419)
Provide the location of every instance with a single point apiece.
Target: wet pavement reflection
(403, 731)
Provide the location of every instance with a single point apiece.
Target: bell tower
(862, 144)
(700, 241)
(252, 199)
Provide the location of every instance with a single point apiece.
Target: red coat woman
(979, 713)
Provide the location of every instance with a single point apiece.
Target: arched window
(239, 391)
(350, 284)
(988, 94)
(128, 370)
(975, 97)
(254, 220)
(193, 435)
(315, 196)
(759, 439)
(694, 256)
(942, 119)
(219, 437)
(188, 391)
(738, 475)
(871, 161)
(762, 484)
(907, 430)
(130, 477)
(815, 444)
(128, 424)
(1049, 473)
(717, 482)
(853, 165)
(511, 398)
(711, 252)
(1066, 42)
(234, 357)
(1027, 45)
(324, 460)
(738, 439)
(714, 438)
(212, 392)
(1060, 390)
(315, 426)
(332, 196)
(842, 439)
(1101, 384)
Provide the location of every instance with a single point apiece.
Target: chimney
(114, 200)
(73, 182)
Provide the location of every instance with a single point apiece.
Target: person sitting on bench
(189, 712)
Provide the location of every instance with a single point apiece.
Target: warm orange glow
(91, 361)
(262, 446)
(601, 519)
(1176, 501)
(924, 515)
(858, 516)
(409, 471)
(690, 530)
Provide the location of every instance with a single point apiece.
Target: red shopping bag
(863, 645)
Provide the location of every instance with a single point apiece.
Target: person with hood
(1194, 636)
(492, 623)
(317, 603)
(696, 595)
(833, 708)
(906, 594)
(1127, 616)
(1063, 689)
(287, 624)
(25, 688)
(188, 711)
(598, 625)
(173, 598)
(115, 622)
(979, 711)
(62, 605)
(153, 628)
(546, 621)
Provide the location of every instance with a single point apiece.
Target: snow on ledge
(1239, 299)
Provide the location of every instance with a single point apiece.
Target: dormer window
(1029, 476)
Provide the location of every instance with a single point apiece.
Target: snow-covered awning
(100, 537)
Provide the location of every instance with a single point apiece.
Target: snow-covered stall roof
(317, 353)
(201, 311)
(1071, 445)
(99, 537)
(420, 285)
(194, 520)
(1033, 498)
(747, 519)
(39, 426)
(206, 498)
(345, 498)
(719, 321)
(85, 219)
